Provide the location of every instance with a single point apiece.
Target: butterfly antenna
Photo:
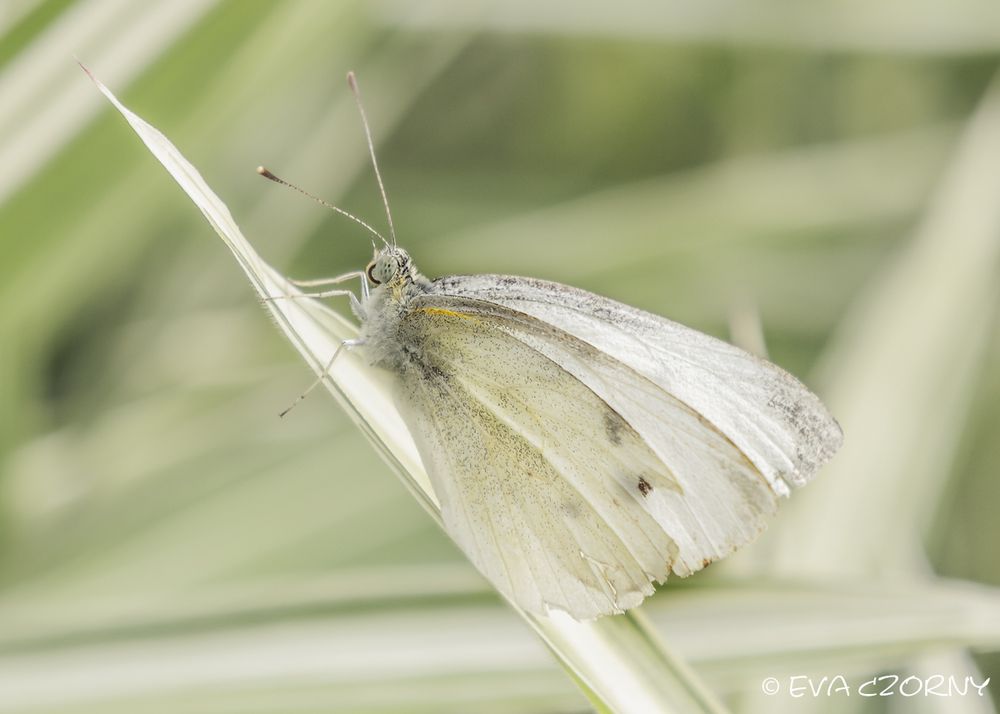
(353, 83)
(271, 177)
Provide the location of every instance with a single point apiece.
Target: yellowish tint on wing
(446, 313)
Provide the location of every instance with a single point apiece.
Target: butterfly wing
(775, 421)
(571, 480)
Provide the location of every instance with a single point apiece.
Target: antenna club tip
(266, 174)
(351, 81)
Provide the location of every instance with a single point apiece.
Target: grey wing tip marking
(820, 436)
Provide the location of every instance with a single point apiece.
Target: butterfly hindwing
(569, 479)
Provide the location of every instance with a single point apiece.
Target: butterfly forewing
(775, 421)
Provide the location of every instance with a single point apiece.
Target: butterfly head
(391, 267)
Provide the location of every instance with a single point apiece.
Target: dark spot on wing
(644, 486)
(614, 425)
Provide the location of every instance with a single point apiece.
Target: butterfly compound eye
(370, 272)
(384, 269)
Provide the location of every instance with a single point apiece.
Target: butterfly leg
(346, 344)
(319, 282)
(357, 306)
(299, 296)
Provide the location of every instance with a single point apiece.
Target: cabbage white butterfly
(581, 449)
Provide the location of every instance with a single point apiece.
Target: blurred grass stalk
(43, 107)
(903, 388)
(617, 661)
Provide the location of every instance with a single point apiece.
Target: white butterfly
(582, 449)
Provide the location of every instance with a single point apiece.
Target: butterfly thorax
(395, 283)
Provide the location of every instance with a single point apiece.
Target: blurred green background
(827, 172)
